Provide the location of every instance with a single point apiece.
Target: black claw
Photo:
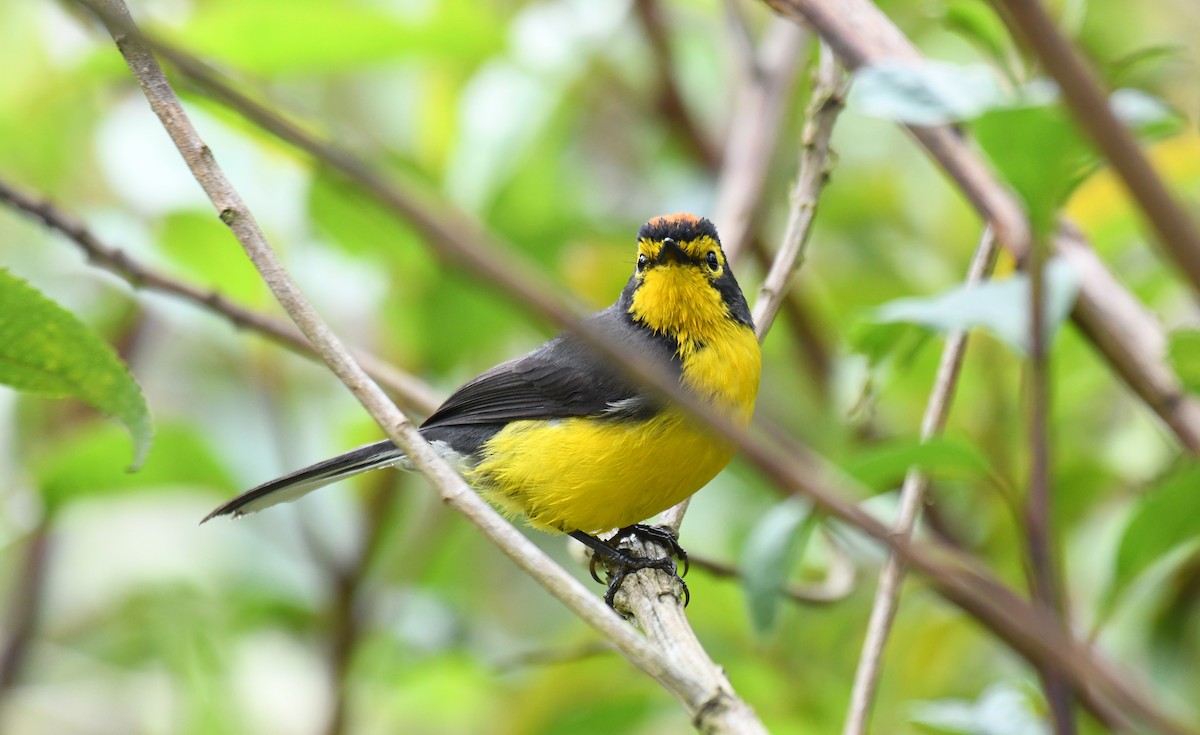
(660, 535)
(620, 563)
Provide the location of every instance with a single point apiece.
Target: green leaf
(46, 351)
(1039, 152)
(767, 559)
(925, 93)
(1001, 307)
(1183, 352)
(1164, 519)
(882, 467)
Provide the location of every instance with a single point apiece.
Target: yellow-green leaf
(46, 351)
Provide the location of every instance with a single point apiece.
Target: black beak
(671, 253)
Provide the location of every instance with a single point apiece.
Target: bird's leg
(621, 563)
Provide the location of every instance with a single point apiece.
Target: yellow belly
(591, 475)
(588, 475)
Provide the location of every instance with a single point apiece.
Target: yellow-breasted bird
(563, 438)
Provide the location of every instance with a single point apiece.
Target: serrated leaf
(882, 467)
(1000, 306)
(1183, 352)
(925, 93)
(771, 550)
(46, 351)
(1164, 519)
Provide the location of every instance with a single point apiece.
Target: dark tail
(301, 482)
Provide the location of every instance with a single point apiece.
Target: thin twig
(912, 492)
(412, 393)
(1105, 311)
(679, 663)
(795, 470)
(1043, 569)
(828, 98)
(1177, 231)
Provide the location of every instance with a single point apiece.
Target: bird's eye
(641, 262)
(711, 259)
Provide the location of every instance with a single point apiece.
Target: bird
(564, 438)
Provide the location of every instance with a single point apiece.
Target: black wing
(562, 378)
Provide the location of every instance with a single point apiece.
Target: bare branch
(642, 598)
(912, 493)
(412, 392)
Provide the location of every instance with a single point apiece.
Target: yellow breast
(593, 475)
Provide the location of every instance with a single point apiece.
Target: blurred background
(371, 608)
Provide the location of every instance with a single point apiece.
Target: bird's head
(682, 284)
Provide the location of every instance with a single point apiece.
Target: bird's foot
(660, 535)
(621, 563)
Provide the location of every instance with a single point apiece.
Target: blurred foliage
(542, 119)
